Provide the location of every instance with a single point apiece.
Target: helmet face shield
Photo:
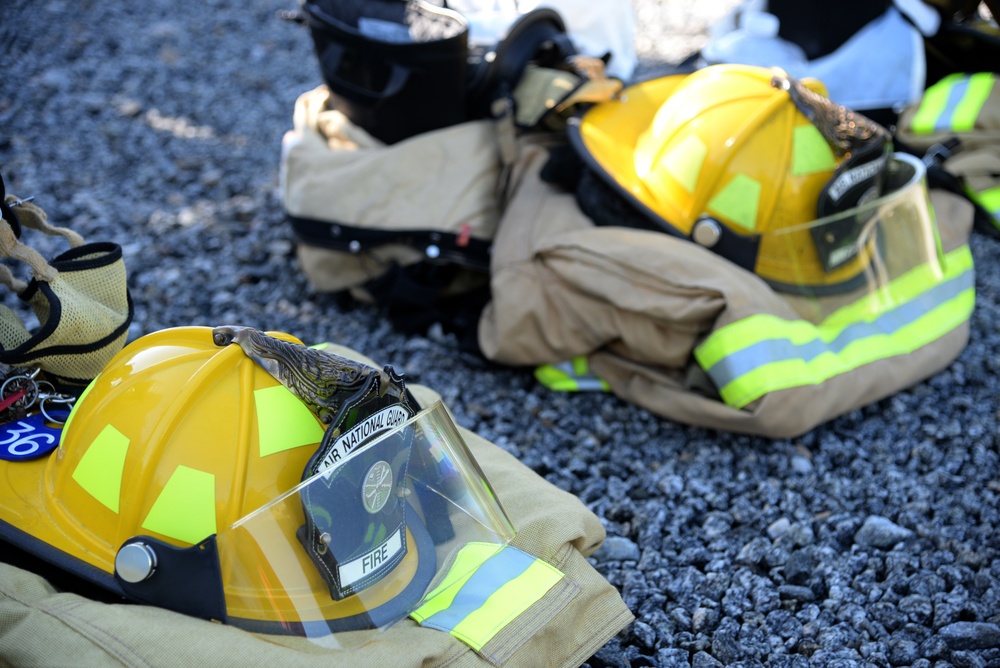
(360, 544)
(863, 256)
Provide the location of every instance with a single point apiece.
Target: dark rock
(971, 635)
(796, 593)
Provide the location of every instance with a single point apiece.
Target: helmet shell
(177, 439)
(723, 145)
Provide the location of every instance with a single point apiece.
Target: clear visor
(862, 257)
(366, 541)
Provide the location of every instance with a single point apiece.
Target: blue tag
(29, 438)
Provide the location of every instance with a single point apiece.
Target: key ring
(21, 383)
(47, 393)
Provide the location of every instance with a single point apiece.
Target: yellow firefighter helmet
(179, 481)
(738, 158)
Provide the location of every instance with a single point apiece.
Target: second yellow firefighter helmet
(738, 158)
(184, 479)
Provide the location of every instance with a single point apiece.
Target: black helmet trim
(56, 558)
(185, 579)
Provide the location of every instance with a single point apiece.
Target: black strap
(458, 248)
(7, 211)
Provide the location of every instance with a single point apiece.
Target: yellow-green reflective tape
(484, 591)
(738, 201)
(684, 161)
(468, 559)
(570, 376)
(990, 200)
(185, 508)
(99, 471)
(811, 153)
(953, 103)
(968, 108)
(283, 421)
(933, 103)
(764, 353)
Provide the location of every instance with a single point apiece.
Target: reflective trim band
(185, 508)
(990, 200)
(570, 376)
(99, 470)
(967, 110)
(765, 353)
(738, 201)
(283, 421)
(811, 153)
(953, 103)
(484, 590)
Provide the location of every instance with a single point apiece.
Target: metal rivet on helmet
(135, 562)
(706, 232)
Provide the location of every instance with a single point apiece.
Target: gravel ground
(870, 541)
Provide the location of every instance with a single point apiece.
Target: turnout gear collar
(241, 476)
(732, 156)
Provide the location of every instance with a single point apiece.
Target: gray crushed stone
(870, 541)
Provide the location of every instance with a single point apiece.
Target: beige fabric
(332, 170)
(637, 303)
(40, 626)
(84, 289)
(979, 169)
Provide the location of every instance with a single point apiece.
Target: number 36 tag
(28, 438)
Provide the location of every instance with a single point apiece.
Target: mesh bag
(80, 298)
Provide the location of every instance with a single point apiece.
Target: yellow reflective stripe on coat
(953, 103)
(486, 588)
(571, 376)
(764, 353)
(989, 199)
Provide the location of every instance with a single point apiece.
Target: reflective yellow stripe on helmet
(738, 201)
(283, 421)
(185, 509)
(811, 152)
(685, 160)
(765, 353)
(953, 103)
(486, 588)
(99, 471)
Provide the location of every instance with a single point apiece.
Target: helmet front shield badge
(413, 491)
